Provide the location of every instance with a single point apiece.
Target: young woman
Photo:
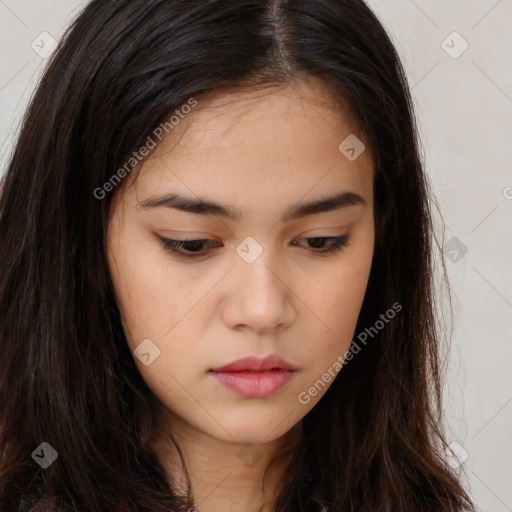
(216, 273)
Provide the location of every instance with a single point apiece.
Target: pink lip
(256, 363)
(254, 377)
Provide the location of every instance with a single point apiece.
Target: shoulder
(40, 506)
(45, 504)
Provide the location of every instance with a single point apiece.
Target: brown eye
(187, 247)
(336, 243)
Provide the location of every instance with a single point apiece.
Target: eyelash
(177, 246)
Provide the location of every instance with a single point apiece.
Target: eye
(336, 243)
(187, 248)
(196, 248)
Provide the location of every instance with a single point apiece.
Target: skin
(260, 152)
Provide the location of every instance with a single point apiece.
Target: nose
(260, 299)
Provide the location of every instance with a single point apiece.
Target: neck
(224, 476)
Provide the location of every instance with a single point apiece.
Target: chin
(248, 431)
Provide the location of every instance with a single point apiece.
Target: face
(260, 274)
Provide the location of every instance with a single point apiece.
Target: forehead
(263, 111)
(274, 139)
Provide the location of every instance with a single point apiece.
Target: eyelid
(338, 243)
(316, 232)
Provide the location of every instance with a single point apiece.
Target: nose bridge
(260, 298)
(258, 272)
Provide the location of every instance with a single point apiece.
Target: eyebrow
(203, 207)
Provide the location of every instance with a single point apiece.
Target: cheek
(147, 293)
(338, 294)
(336, 298)
(345, 297)
(339, 310)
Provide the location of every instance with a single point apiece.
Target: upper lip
(256, 363)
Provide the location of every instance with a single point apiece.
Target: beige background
(464, 108)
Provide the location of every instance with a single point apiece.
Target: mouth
(254, 383)
(256, 363)
(254, 377)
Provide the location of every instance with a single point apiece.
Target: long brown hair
(375, 441)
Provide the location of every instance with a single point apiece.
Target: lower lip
(257, 384)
